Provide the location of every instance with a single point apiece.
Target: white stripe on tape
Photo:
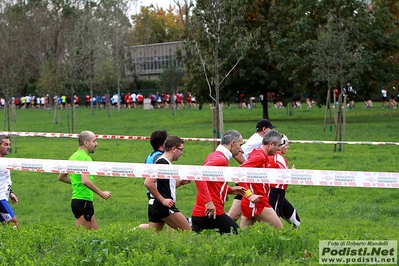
(209, 173)
(71, 135)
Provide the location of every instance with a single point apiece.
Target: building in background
(149, 61)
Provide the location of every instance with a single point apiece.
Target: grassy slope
(326, 212)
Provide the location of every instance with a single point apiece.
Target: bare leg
(15, 221)
(157, 226)
(235, 210)
(245, 222)
(144, 226)
(268, 215)
(87, 224)
(177, 221)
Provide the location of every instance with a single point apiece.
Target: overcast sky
(161, 3)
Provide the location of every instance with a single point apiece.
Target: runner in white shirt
(6, 213)
(277, 200)
(43, 102)
(134, 99)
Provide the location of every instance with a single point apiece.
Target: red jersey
(282, 163)
(212, 191)
(256, 159)
(127, 98)
(179, 97)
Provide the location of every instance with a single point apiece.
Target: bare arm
(180, 183)
(88, 183)
(238, 190)
(239, 158)
(13, 198)
(64, 177)
(150, 185)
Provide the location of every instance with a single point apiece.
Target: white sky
(161, 3)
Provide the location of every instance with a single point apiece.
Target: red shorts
(250, 210)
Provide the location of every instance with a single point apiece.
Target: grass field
(326, 212)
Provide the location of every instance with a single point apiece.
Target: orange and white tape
(208, 173)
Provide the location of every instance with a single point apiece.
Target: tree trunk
(67, 117)
(91, 99)
(265, 105)
(73, 117)
(14, 120)
(218, 117)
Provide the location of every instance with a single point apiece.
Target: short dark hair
(173, 141)
(158, 138)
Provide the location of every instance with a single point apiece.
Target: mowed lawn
(326, 212)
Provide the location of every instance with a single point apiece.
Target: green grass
(47, 234)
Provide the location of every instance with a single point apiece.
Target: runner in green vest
(83, 187)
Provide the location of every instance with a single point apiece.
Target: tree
(13, 55)
(170, 80)
(217, 41)
(259, 71)
(114, 14)
(338, 57)
(155, 25)
(381, 41)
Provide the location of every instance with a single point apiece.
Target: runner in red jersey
(188, 100)
(277, 200)
(208, 211)
(255, 205)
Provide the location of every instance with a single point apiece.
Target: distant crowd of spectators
(29, 101)
(132, 100)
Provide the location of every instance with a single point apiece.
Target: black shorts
(82, 207)
(277, 200)
(157, 211)
(238, 197)
(222, 222)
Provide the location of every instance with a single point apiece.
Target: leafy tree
(290, 31)
(338, 57)
(381, 35)
(14, 73)
(217, 41)
(258, 73)
(155, 25)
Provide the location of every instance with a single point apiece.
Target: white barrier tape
(75, 136)
(71, 135)
(208, 173)
(344, 142)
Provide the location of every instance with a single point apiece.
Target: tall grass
(47, 234)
